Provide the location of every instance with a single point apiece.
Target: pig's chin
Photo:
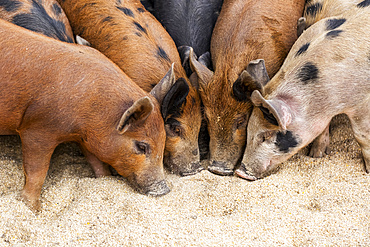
(184, 169)
(245, 174)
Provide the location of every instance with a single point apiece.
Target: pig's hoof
(220, 168)
(318, 150)
(33, 205)
(243, 173)
(194, 168)
(158, 189)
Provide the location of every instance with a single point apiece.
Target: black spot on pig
(39, 21)
(107, 19)
(285, 141)
(140, 10)
(162, 54)
(126, 11)
(268, 116)
(140, 27)
(302, 49)
(333, 34)
(334, 23)
(10, 5)
(309, 72)
(314, 9)
(57, 9)
(364, 4)
(138, 34)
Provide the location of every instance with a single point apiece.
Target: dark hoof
(158, 189)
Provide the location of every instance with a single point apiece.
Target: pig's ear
(184, 52)
(82, 41)
(301, 25)
(175, 98)
(136, 114)
(163, 87)
(255, 77)
(203, 73)
(275, 111)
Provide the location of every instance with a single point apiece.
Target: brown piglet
(54, 92)
(245, 30)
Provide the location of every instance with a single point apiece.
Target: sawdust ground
(307, 202)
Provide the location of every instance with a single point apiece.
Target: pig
(42, 16)
(133, 39)
(314, 11)
(190, 24)
(326, 73)
(54, 92)
(265, 29)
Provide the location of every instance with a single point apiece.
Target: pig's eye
(240, 122)
(142, 147)
(175, 129)
(265, 136)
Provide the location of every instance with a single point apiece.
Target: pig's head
(272, 138)
(227, 109)
(135, 146)
(180, 108)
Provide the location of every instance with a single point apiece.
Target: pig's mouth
(193, 168)
(153, 188)
(244, 173)
(182, 170)
(220, 168)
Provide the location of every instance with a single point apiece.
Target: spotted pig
(42, 16)
(54, 92)
(314, 11)
(326, 73)
(263, 29)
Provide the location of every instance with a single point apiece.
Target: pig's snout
(193, 168)
(244, 173)
(157, 189)
(220, 168)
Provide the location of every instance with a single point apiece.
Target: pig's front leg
(361, 128)
(100, 169)
(37, 151)
(320, 145)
